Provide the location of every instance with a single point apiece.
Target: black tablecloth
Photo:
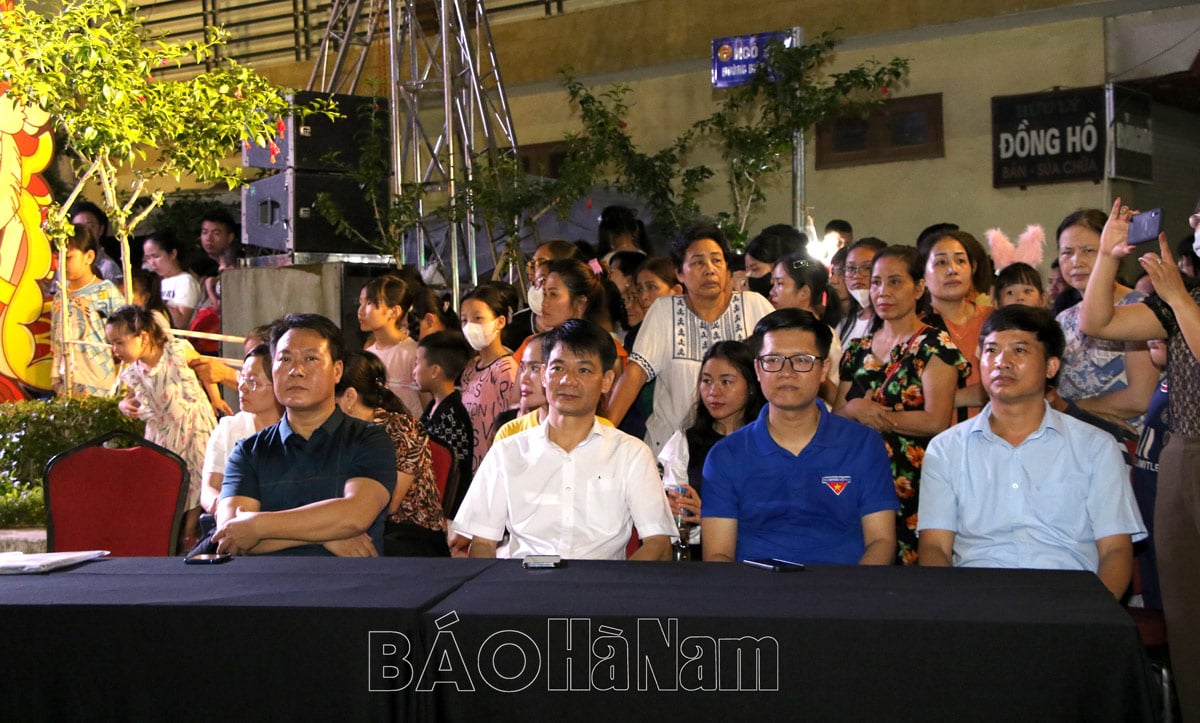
(852, 644)
(282, 638)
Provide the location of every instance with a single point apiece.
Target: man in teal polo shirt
(798, 483)
(318, 482)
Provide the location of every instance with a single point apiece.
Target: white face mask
(535, 296)
(479, 336)
(862, 296)
(1196, 241)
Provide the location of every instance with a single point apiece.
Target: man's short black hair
(312, 322)
(681, 244)
(92, 209)
(221, 216)
(1035, 320)
(582, 337)
(448, 350)
(838, 225)
(781, 319)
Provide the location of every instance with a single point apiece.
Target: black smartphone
(1145, 226)
(208, 559)
(774, 564)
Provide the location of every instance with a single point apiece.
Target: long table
(279, 638)
(624, 641)
(393, 639)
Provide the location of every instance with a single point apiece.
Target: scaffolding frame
(449, 110)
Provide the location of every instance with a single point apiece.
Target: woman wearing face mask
(799, 282)
(859, 318)
(1171, 312)
(764, 251)
(527, 321)
(489, 383)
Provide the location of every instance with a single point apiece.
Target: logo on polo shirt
(837, 483)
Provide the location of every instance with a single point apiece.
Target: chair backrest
(128, 501)
(444, 471)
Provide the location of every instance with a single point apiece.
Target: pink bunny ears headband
(1028, 249)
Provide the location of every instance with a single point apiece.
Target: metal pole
(451, 185)
(394, 108)
(798, 156)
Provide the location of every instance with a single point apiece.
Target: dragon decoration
(26, 149)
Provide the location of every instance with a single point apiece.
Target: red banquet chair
(126, 500)
(445, 473)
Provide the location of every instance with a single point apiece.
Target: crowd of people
(903, 404)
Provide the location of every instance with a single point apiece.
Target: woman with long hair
(901, 380)
(729, 397)
(951, 276)
(181, 291)
(415, 525)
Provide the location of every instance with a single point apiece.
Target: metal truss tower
(448, 106)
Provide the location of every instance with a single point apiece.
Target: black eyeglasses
(772, 363)
(856, 270)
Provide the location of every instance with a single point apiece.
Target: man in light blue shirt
(1022, 485)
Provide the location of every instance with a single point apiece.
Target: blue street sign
(735, 59)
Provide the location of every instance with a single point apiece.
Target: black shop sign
(1051, 137)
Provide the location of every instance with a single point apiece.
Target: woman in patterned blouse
(415, 526)
(900, 380)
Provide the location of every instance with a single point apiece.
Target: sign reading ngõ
(735, 59)
(1048, 137)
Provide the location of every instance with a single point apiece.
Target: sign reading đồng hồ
(1050, 137)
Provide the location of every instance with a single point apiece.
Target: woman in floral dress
(901, 380)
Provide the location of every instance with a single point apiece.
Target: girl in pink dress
(165, 394)
(383, 306)
(489, 383)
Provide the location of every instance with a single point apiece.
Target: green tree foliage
(90, 65)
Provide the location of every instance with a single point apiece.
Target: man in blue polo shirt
(317, 482)
(799, 483)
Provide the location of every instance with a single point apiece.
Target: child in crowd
(489, 383)
(90, 299)
(532, 410)
(165, 394)
(383, 306)
(147, 293)
(441, 358)
(1018, 283)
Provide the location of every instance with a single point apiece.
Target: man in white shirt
(571, 486)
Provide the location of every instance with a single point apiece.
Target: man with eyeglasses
(799, 483)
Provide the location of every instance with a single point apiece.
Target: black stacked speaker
(316, 154)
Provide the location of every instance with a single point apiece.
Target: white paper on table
(20, 563)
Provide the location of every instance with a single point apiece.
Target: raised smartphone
(1145, 226)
